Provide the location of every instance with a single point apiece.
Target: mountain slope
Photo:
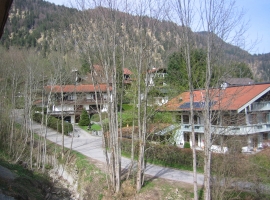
(36, 23)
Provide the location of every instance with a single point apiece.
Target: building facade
(70, 100)
(240, 116)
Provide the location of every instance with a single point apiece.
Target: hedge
(54, 123)
(165, 155)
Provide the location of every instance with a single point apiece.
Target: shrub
(162, 117)
(165, 155)
(127, 119)
(54, 123)
(84, 119)
(127, 107)
(95, 127)
(187, 145)
(95, 117)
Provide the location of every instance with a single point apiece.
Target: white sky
(257, 13)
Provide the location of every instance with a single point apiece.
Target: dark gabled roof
(4, 10)
(239, 81)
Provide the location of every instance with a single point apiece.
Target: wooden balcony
(260, 106)
(229, 130)
(83, 101)
(71, 112)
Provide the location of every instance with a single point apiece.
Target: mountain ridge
(34, 24)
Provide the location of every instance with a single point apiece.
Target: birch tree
(145, 46)
(97, 38)
(219, 19)
(185, 14)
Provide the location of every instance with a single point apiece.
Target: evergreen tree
(177, 73)
(84, 119)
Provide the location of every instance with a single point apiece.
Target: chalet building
(97, 75)
(156, 79)
(70, 100)
(89, 93)
(240, 114)
(157, 73)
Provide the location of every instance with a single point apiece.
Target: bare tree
(186, 15)
(97, 39)
(218, 19)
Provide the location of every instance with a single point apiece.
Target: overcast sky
(257, 12)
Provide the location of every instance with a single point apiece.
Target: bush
(84, 119)
(54, 123)
(39, 109)
(127, 119)
(186, 145)
(95, 127)
(165, 155)
(95, 117)
(127, 107)
(162, 117)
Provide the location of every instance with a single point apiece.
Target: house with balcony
(70, 100)
(157, 84)
(97, 74)
(239, 114)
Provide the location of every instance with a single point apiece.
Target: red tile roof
(127, 71)
(76, 88)
(231, 98)
(99, 68)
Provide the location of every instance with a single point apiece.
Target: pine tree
(84, 119)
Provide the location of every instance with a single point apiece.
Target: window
(267, 118)
(71, 97)
(185, 119)
(186, 137)
(259, 118)
(265, 136)
(90, 96)
(196, 119)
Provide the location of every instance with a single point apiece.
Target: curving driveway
(91, 146)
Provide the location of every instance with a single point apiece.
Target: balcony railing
(71, 112)
(258, 106)
(81, 101)
(229, 130)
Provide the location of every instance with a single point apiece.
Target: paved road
(91, 146)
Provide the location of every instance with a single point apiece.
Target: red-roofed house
(238, 113)
(75, 98)
(97, 75)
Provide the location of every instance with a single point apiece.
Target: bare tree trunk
(184, 11)
(220, 19)
(141, 142)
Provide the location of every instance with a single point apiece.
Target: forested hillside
(37, 24)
